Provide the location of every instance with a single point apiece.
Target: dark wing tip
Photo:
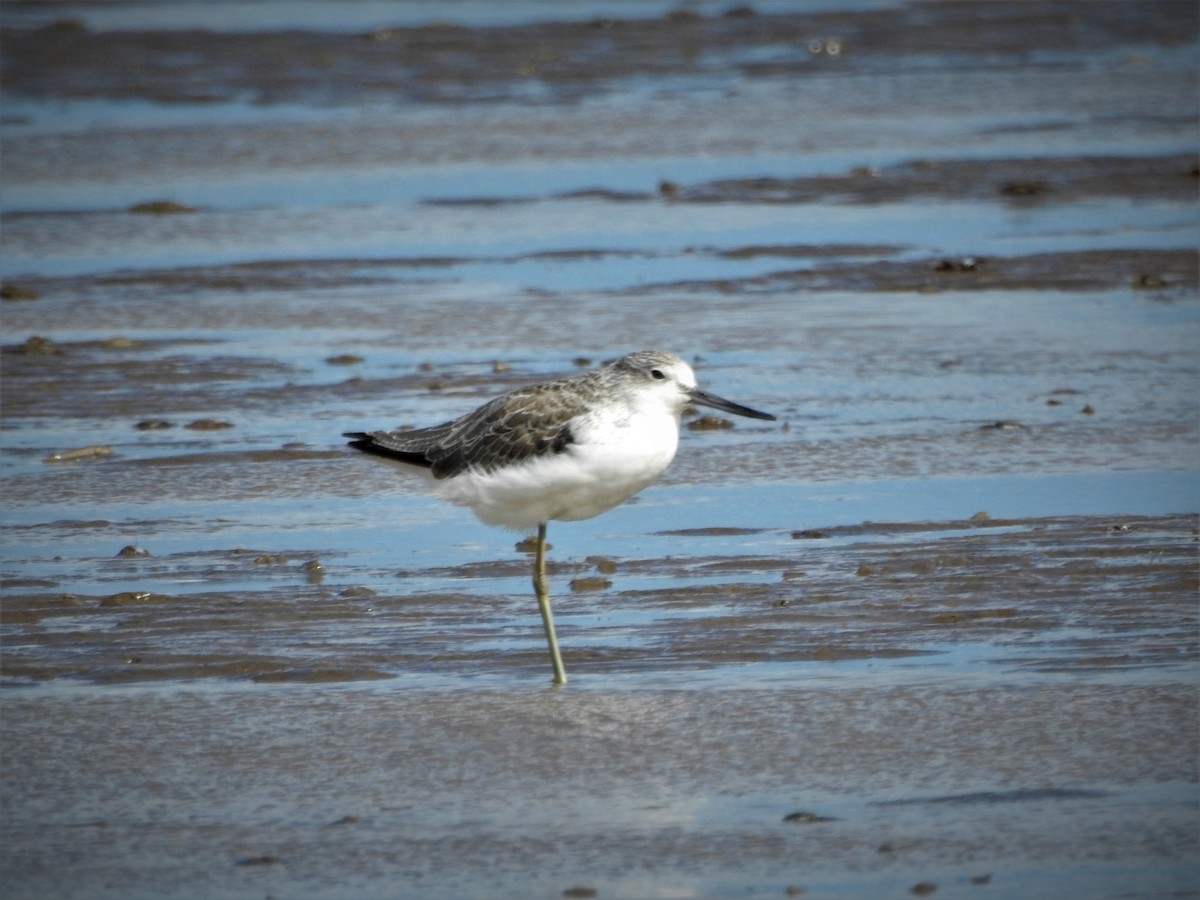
(368, 443)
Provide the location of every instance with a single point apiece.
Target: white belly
(608, 463)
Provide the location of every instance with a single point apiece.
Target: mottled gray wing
(529, 422)
(407, 446)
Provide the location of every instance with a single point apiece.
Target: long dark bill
(703, 398)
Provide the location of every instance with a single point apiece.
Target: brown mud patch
(1019, 182)
(1015, 181)
(446, 63)
(41, 366)
(1173, 274)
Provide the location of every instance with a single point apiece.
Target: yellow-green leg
(542, 588)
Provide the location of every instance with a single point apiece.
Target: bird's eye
(657, 374)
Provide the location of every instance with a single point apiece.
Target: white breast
(613, 456)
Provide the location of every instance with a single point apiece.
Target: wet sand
(932, 633)
(653, 791)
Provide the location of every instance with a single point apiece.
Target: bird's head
(669, 379)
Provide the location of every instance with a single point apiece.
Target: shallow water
(946, 604)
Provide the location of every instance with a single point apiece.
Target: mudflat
(932, 633)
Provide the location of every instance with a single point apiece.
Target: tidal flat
(932, 633)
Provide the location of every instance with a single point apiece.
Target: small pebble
(1023, 188)
(153, 424)
(709, 423)
(580, 892)
(579, 585)
(208, 425)
(36, 345)
(1149, 282)
(807, 818)
(603, 566)
(265, 860)
(96, 451)
(161, 208)
(345, 359)
(131, 598)
(922, 888)
(17, 292)
(1004, 425)
(132, 551)
(966, 264)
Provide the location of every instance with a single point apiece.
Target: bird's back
(524, 424)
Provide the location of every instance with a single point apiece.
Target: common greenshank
(564, 450)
